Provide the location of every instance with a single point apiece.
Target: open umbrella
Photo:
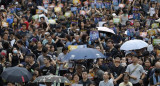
(105, 29)
(84, 53)
(52, 78)
(133, 45)
(16, 74)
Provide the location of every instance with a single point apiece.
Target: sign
(156, 41)
(76, 2)
(143, 34)
(4, 24)
(101, 24)
(67, 14)
(60, 5)
(39, 11)
(158, 52)
(57, 9)
(121, 5)
(116, 20)
(72, 47)
(45, 1)
(73, 9)
(94, 35)
(82, 12)
(35, 17)
(151, 32)
(52, 21)
(155, 25)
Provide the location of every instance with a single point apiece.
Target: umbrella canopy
(133, 45)
(16, 74)
(105, 29)
(84, 53)
(52, 78)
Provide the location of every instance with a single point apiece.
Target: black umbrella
(16, 74)
(52, 78)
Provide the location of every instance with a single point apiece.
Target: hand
(115, 82)
(133, 77)
(158, 83)
(141, 81)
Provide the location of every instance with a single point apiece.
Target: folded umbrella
(16, 74)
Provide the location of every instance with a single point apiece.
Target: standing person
(155, 78)
(15, 56)
(126, 81)
(47, 68)
(107, 81)
(135, 71)
(40, 59)
(62, 62)
(2, 60)
(117, 71)
(85, 81)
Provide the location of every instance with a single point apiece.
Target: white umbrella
(133, 45)
(105, 29)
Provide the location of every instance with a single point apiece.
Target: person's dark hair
(18, 36)
(1, 57)
(75, 75)
(92, 83)
(20, 42)
(44, 49)
(64, 48)
(5, 45)
(48, 58)
(31, 54)
(24, 24)
(85, 71)
(157, 70)
(110, 41)
(68, 37)
(42, 18)
(58, 26)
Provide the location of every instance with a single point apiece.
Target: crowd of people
(36, 35)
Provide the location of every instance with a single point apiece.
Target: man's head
(117, 60)
(44, 51)
(58, 28)
(157, 71)
(110, 44)
(134, 58)
(31, 57)
(157, 65)
(65, 50)
(84, 74)
(106, 75)
(47, 59)
(19, 43)
(99, 61)
(24, 26)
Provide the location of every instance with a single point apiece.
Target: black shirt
(33, 67)
(48, 70)
(116, 71)
(86, 83)
(61, 35)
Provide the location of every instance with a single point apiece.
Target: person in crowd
(135, 71)
(107, 80)
(125, 81)
(47, 69)
(155, 78)
(117, 71)
(85, 81)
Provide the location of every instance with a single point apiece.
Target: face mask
(15, 51)
(123, 64)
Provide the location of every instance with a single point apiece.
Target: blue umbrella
(84, 53)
